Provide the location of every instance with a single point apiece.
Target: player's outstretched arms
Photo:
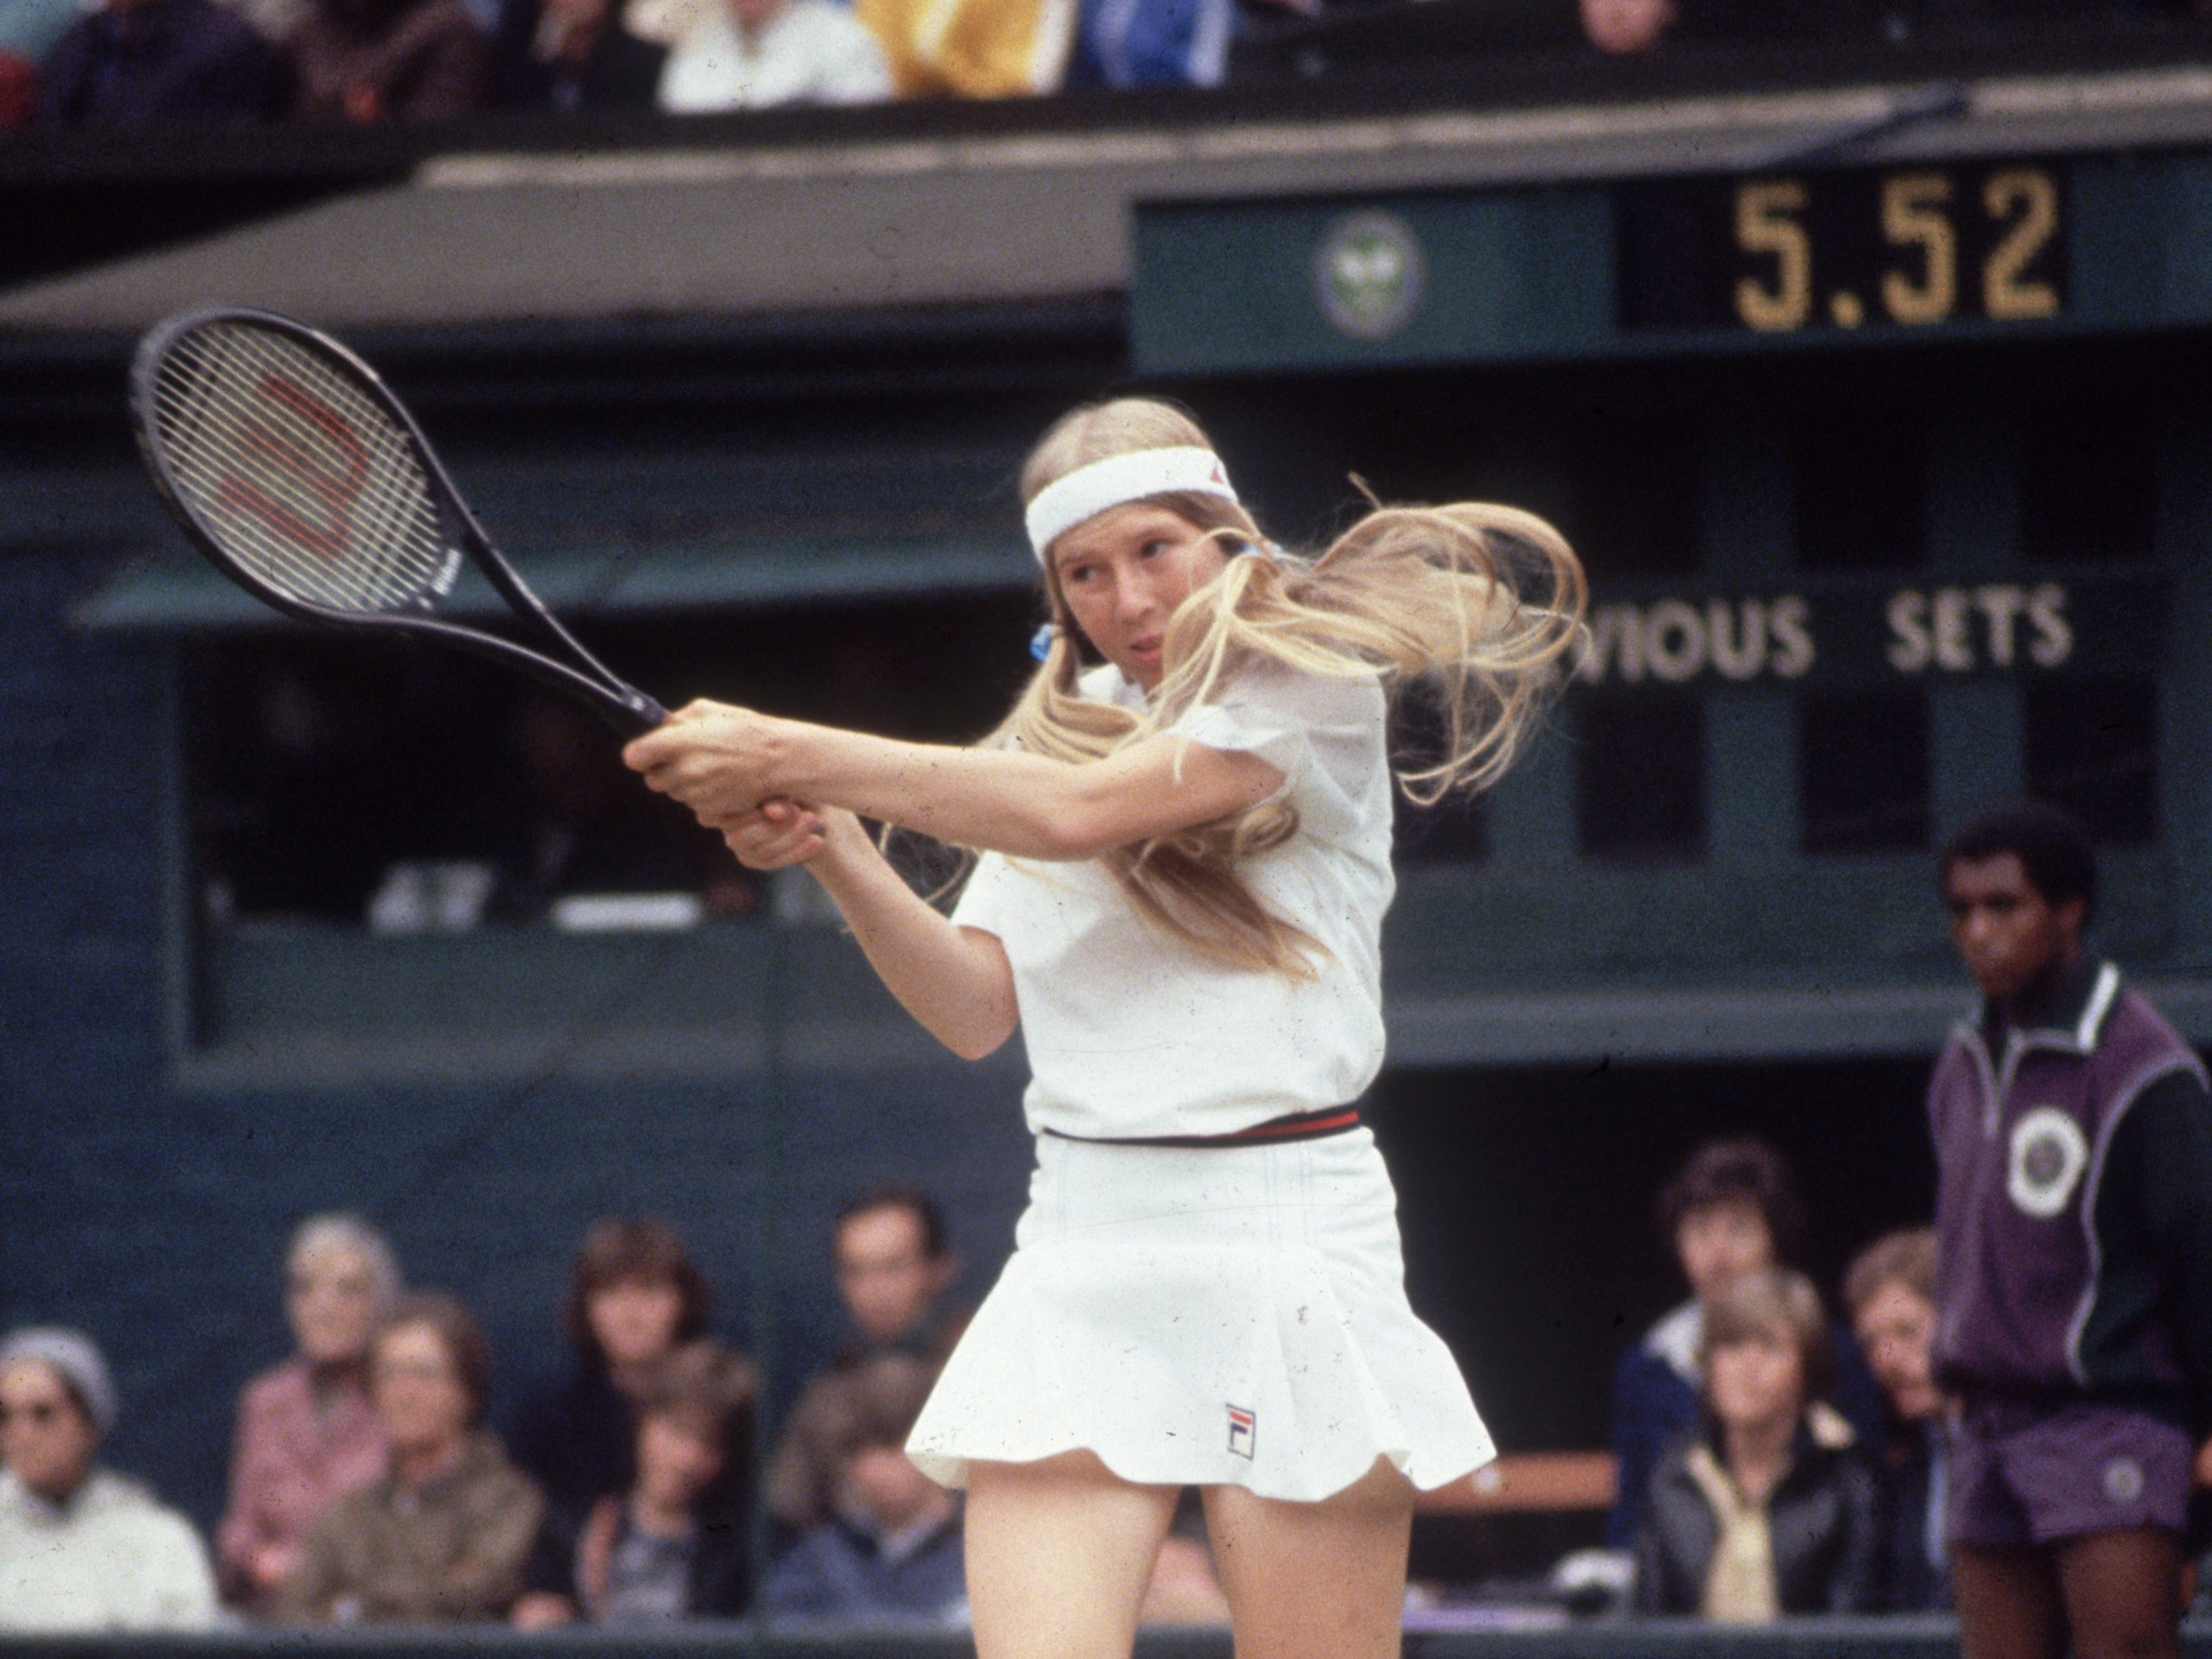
(721, 761)
(955, 981)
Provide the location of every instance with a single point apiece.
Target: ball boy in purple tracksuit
(2073, 1134)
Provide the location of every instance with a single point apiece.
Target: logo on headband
(1369, 275)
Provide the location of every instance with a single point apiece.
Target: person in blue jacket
(1150, 43)
(890, 1556)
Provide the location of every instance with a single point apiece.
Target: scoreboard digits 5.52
(1845, 249)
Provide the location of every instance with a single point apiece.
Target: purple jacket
(2073, 1208)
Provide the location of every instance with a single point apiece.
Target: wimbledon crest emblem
(1369, 275)
(2048, 1154)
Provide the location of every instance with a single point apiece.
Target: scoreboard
(1814, 256)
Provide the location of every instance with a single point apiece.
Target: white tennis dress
(1221, 1315)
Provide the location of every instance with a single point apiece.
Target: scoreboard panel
(1829, 256)
(1848, 248)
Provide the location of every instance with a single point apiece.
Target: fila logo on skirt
(1243, 1426)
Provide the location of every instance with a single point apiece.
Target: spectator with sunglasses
(83, 1548)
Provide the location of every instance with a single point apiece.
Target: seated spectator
(562, 56)
(133, 64)
(1732, 1209)
(306, 1433)
(1765, 1507)
(890, 1554)
(755, 54)
(1150, 43)
(443, 1535)
(1891, 1292)
(634, 1293)
(388, 60)
(83, 1548)
(894, 1265)
(971, 48)
(677, 1546)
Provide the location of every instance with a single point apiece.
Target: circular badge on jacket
(2049, 1153)
(2124, 1480)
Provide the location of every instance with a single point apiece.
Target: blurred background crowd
(368, 1483)
(124, 65)
(371, 1480)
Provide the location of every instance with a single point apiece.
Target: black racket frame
(628, 710)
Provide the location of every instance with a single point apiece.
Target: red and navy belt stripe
(1291, 1125)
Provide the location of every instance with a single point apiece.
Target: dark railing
(1658, 1638)
(1807, 1638)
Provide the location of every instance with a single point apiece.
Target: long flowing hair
(1472, 607)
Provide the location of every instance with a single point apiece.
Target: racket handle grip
(636, 714)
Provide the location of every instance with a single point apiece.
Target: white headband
(1117, 480)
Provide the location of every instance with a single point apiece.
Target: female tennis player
(1185, 858)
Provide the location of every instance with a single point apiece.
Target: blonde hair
(1768, 1302)
(1906, 1257)
(1475, 603)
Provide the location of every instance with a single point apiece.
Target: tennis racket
(292, 466)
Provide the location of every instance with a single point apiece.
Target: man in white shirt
(83, 1548)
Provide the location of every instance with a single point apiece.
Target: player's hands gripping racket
(304, 480)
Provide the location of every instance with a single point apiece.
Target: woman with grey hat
(83, 1548)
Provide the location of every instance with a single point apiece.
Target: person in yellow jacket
(972, 48)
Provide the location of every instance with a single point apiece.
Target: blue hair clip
(1041, 641)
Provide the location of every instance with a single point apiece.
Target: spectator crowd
(122, 65)
(1770, 1460)
(139, 65)
(366, 1486)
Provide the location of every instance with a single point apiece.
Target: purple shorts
(2023, 1475)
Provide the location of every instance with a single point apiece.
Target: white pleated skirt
(1202, 1316)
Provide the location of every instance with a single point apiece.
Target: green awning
(705, 574)
(173, 589)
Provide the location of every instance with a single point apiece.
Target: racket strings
(302, 477)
